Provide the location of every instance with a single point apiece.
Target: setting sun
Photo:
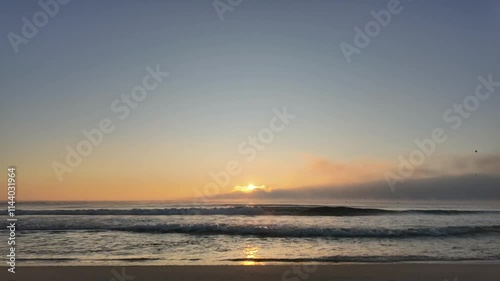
(248, 188)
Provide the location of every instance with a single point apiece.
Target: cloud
(319, 171)
(462, 177)
(328, 172)
(470, 187)
(460, 165)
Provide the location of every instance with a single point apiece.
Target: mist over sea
(166, 233)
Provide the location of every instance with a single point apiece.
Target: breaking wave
(249, 211)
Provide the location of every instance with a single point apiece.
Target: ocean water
(159, 233)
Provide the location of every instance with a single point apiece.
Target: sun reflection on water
(250, 253)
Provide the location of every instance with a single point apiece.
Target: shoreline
(291, 272)
(257, 263)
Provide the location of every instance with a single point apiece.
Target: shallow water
(154, 233)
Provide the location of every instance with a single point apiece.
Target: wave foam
(282, 231)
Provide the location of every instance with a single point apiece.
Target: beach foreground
(373, 272)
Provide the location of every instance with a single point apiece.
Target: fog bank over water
(466, 187)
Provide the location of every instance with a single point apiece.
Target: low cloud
(324, 171)
(460, 165)
(467, 177)
(345, 172)
(470, 187)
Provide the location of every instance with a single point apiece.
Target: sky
(221, 72)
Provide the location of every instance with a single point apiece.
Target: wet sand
(296, 272)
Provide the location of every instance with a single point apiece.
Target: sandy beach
(373, 272)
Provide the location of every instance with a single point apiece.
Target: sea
(170, 233)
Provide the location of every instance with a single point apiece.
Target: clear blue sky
(227, 76)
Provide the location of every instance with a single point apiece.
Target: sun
(248, 188)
